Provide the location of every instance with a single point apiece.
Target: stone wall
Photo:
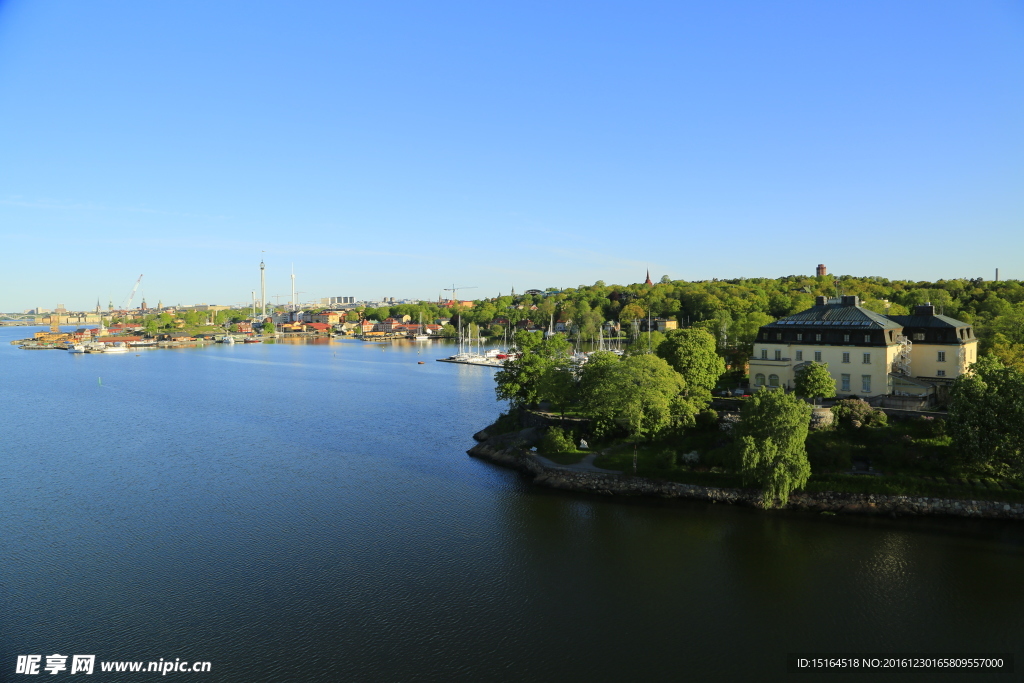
(849, 503)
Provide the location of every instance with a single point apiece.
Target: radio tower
(263, 289)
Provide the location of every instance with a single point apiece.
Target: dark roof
(837, 315)
(927, 321)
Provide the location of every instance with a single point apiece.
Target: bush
(557, 440)
(707, 420)
(852, 413)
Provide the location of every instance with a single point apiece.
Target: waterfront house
(869, 354)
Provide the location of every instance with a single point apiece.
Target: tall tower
(648, 280)
(294, 304)
(821, 270)
(263, 289)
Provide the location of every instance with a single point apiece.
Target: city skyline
(394, 151)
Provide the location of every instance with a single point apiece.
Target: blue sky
(396, 148)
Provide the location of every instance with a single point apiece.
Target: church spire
(648, 280)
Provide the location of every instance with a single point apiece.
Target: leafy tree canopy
(692, 353)
(522, 381)
(772, 435)
(813, 380)
(642, 393)
(986, 411)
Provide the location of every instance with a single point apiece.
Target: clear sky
(396, 148)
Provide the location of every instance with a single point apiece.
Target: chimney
(851, 300)
(924, 309)
(997, 275)
(819, 301)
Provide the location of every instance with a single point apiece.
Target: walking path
(584, 465)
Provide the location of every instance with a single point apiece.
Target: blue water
(307, 512)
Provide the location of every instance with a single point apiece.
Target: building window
(778, 336)
(844, 381)
(799, 355)
(764, 354)
(846, 358)
(867, 358)
(817, 356)
(817, 337)
(865, 384)
(867, 338)
(778, 355)
(940, 373)
(799, 336)
(759, 380)
(942, 356)
(773, 380)
(846, 337)
(919, 336)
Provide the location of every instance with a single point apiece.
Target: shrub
(853, 413)
(557, 440)
(707, 419)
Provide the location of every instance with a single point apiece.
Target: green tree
(522, 379)
(986, 411)
(814, 381)
(772, 436)
(642, 393)
(268, 327)
(691, 353)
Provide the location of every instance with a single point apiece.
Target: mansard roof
(928, 321)
(837, 315)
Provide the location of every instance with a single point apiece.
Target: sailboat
(422, 336)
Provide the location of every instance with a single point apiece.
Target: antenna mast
(263, 288)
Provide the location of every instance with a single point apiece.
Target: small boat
(77, 348)
(252, 341)
(419, 362)
(116, 347)
(227, 339)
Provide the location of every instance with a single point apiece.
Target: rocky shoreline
(512, 450)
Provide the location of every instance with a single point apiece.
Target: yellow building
(868, 354)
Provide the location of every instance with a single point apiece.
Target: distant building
(821, 270)
(657, 324)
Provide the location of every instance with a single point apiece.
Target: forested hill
(735, 309)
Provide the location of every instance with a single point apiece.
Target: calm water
(307, 512)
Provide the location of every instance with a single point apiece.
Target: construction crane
(132, 295)
(453, 289)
